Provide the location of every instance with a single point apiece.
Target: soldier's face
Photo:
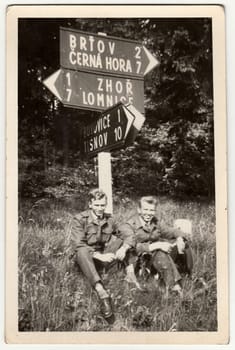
(147, 211)
(98, 206)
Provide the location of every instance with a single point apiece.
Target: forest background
(172, 155)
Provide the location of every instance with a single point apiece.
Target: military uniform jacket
(87, 231)
(142, 236)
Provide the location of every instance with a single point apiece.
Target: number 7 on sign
(69, 91)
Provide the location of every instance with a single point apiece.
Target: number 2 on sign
(137, 55)
(138, 51)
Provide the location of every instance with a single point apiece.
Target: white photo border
(216, 12)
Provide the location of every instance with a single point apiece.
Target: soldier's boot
(105, 301)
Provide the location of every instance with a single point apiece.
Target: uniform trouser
(169, 266)
(166, 267)
(89, 265)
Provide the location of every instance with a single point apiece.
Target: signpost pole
(105, 178)
(95, 74)
(105, 173)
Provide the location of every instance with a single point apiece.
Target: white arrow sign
(130, 120)
(136, 125)
(139, 117)
(50, 84)
(153, 62)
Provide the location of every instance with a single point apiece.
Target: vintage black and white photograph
(117, 218)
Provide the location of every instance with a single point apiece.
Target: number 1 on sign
(119, 117)
(68, 78)
(69, 91)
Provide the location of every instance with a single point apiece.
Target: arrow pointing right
(130, 120)
(101, 54)
(139, 117)
(108, 132)
(136, 125)
(153, 62)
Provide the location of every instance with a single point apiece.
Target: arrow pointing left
(94, 91)
(50, 83)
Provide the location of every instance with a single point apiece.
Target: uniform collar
(92, 218)
(141, 223)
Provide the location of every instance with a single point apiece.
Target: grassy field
(54, 296)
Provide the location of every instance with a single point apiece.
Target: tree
(172, 154)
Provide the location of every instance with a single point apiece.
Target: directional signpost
(95, 91)
(106, 54)
(106, 74)
(108, 132)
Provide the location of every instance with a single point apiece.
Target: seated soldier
(166, 248)
(93, 236)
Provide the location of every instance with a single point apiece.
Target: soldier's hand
(108, 257)
(154, 246)
(180, 245)
(165, 246)
(121, 253)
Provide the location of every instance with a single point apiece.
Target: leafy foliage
(173, 153)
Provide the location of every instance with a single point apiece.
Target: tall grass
(54, 296)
